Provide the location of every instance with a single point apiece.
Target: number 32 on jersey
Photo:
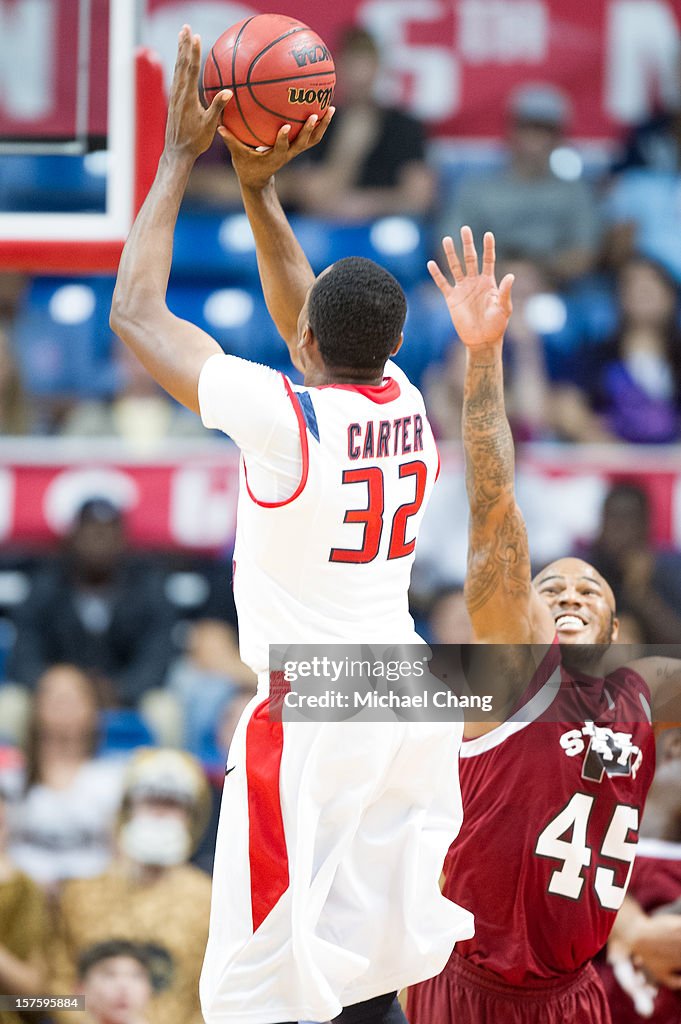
(372, 516)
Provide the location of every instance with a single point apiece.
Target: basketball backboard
(94, 117)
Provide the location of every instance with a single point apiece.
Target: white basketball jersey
(333, 562)
(332, 834)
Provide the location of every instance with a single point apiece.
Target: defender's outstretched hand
(479, 309)
(255, 167)
(190, 129)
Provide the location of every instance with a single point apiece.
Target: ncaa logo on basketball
(310, 55)
(307, 96)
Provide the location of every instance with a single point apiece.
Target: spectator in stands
(654, 145)
(63, 824)
(645, 579)
(97, 608)
(140, 413)
(631, 385)
(371, 162)
(150, 894)
(205, 678)
(532, 212)
(527, 387)
(118, 979)
(643, 206)
(14, 413)
(23, 928)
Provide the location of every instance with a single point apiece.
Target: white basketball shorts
(330, 847)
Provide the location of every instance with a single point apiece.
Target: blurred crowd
(105, 860)
(118, 701)
(595, 338)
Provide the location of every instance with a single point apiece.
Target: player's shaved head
(576, 568)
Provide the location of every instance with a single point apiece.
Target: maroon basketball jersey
(552, 803)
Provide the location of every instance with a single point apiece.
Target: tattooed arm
(502, 603)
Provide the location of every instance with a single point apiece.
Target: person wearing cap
(151, 894)
(118, 978)
(533, 213)
(97, 607)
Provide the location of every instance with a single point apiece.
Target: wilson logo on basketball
(307, 96)
(310, 55)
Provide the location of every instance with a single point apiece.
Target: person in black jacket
(371, 161)
(97, 608)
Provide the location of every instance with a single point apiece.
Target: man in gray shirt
(533, 213)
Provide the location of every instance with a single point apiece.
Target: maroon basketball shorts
(464, 994)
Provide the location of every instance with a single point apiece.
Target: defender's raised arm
(501, 601)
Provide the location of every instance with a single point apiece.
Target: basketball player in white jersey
(333, 835)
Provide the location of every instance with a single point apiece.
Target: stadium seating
(61, 336)
(58, 183)
(209, 247)
(236, 316)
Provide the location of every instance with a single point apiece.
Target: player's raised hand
(479, 309)
(190, 128)
(255, 167)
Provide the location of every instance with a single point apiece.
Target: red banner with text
(454, 62)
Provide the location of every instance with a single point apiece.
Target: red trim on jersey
(302, 428)
(266, 839)
(388, 391)
(439, 461)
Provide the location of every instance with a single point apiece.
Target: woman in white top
(62, 825)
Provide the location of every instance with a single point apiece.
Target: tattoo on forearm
(497, 557)
(488, 443)
(498, 550)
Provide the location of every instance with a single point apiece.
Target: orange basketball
(280, 72)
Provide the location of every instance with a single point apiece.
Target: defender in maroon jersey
(553, 795)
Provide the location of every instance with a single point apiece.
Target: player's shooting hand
(656, 947)
(190, 129)
(479, 309)
(255, 167)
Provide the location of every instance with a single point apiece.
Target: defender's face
(581, 604)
